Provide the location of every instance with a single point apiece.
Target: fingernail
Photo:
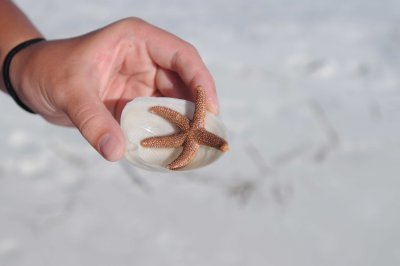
(109, 147)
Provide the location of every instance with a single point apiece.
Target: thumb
(97, 125)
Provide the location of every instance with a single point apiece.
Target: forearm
(15, 28)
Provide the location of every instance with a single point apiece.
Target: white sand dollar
(138, 123)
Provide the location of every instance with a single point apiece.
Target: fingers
(188, 64)
(172, 53)
(170, 84)
(96, 124)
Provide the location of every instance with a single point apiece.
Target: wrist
(14, 72)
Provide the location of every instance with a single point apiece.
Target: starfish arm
(169, 141)
(207, 138)
(199, 109)
(187, 155)
(172, 116)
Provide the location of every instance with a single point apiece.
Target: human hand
(86, 81)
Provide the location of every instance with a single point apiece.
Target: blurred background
(310, 94)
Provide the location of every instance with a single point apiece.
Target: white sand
(310, 93)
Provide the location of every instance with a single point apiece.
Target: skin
(86, 81)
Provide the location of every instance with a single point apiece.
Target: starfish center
(191, 135)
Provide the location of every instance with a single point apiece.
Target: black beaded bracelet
(6, 71)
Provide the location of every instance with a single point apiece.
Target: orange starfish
(192, 132)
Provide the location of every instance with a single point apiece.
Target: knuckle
(190, 48)
(84, 117)
(60, 96)
(129, 24)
